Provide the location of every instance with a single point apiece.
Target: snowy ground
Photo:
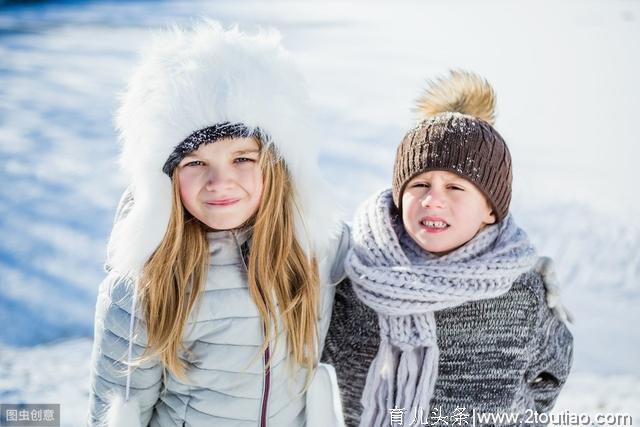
(565, 74)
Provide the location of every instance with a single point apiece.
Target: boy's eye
(421, 184)
(455, 187)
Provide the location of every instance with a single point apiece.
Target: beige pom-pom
(462, 92)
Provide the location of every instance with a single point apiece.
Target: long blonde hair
(279, 274)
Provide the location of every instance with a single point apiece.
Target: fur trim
(123, 414)
(461, 92)
(190, 79)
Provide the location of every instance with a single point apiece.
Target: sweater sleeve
(108, 375)
(552, 354)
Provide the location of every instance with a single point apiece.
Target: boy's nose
(426, 200)
(431, 200)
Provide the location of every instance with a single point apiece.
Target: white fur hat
(190, 79)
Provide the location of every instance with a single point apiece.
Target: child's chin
(221, 225)
(436, 248)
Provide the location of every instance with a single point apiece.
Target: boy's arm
(552, 353)
(108, 376)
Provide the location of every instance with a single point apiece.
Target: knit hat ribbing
(456, 135)
(209, 135)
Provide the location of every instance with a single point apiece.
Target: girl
(448, 311)
(217, 297)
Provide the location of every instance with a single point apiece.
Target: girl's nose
(217, 179)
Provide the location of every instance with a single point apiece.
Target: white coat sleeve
(108, 374)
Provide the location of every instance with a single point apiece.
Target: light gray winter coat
(227, 385)
(190, 79)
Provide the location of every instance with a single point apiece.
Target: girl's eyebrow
(249, 151)
(190, 155)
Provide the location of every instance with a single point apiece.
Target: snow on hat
(456, 134)
(193, 79)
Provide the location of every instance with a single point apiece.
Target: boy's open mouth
(434, 225)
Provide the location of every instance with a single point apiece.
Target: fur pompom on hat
(456, 134)
(196, 78)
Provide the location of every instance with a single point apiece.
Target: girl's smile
(222, 202)
(221, 182)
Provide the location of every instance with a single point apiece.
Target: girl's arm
(334, 274)
(552, 354)
(344, 243)
(108, 375)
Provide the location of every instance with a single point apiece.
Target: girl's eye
(421, 185)
(194, 163)
(243, 160)
(455, 187)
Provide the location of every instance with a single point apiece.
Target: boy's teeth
(435, 224)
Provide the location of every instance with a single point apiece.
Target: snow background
(568, 96)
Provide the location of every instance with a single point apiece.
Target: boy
(446, 316)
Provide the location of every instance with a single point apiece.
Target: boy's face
(442, 211)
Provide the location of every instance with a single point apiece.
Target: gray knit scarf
(405, 284)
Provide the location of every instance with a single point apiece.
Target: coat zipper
(267, 382)
(266, 368)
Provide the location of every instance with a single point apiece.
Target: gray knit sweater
(508, 354)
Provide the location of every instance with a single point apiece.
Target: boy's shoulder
(542, 294)
(532, 282)
(529, 288)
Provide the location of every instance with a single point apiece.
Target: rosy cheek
(187, 185)
(407, 209)
(407, 200)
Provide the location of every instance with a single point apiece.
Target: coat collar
(227, 246)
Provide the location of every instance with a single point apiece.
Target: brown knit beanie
(456, 135)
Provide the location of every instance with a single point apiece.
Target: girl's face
(221, 182)
(442, 211)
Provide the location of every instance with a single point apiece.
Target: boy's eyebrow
(456, 179)
(460, 180)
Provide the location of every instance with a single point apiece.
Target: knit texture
(209, 135)
(458, 143)
(405, 285)
(504, 354)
